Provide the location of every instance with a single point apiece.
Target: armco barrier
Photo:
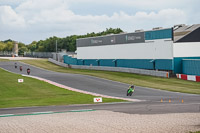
(188, 77)
(115, 69)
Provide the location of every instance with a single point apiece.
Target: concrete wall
(115, 69)
(186, 49)
(151, 49)
(59, 56)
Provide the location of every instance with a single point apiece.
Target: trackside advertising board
(136, 37)
(111, 40)
(98, 100)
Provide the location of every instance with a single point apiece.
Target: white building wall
(186, 49)
(154, 49)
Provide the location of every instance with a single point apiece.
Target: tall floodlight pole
(56, 46)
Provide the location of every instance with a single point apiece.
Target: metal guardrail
(39, 54)
(6, 53)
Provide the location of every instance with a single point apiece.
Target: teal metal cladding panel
(107, 62)
(191, 67)
(136, 63)
(91, 62)
(178, 63)
(70, 60)
(158, 34)
(164, 64)
(80, 62)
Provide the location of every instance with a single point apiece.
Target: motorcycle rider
(20, 68)
(28, 71)
(130, 90)
(15, 65)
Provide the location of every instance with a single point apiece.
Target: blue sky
(34, 20)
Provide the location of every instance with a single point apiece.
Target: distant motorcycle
(15, 65)
(20, 68)
(28, 71)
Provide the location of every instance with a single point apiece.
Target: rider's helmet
(132, 86)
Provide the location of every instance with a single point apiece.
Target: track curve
(110, 88)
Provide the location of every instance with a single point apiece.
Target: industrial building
(176, 50)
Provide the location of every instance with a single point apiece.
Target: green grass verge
(33, 92)
(4, 59)
(195, 132)
(171, 84)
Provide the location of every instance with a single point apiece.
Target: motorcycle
(28, 71)
(15, 65)
(20, 68)
(130, 92)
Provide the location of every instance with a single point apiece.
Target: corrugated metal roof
(182, 30)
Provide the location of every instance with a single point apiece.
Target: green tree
(2, 46)
(9, 40)
(21, 45)
(9, 46)
(40, 49)
(68, 43)
(32, 47)
(22, 50)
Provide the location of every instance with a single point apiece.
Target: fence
(6, 53)
(39, 54)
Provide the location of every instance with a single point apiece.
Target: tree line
(49, 45)
(8, 45)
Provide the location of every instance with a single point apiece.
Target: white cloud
(38, 19)
(10, 19)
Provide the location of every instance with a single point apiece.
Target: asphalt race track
(150, 98)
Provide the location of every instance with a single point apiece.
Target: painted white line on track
(81, 110)
(48, 112)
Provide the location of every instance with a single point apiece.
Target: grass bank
(171, 84)
(33, 92)
(195, 132)
(3, 59)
